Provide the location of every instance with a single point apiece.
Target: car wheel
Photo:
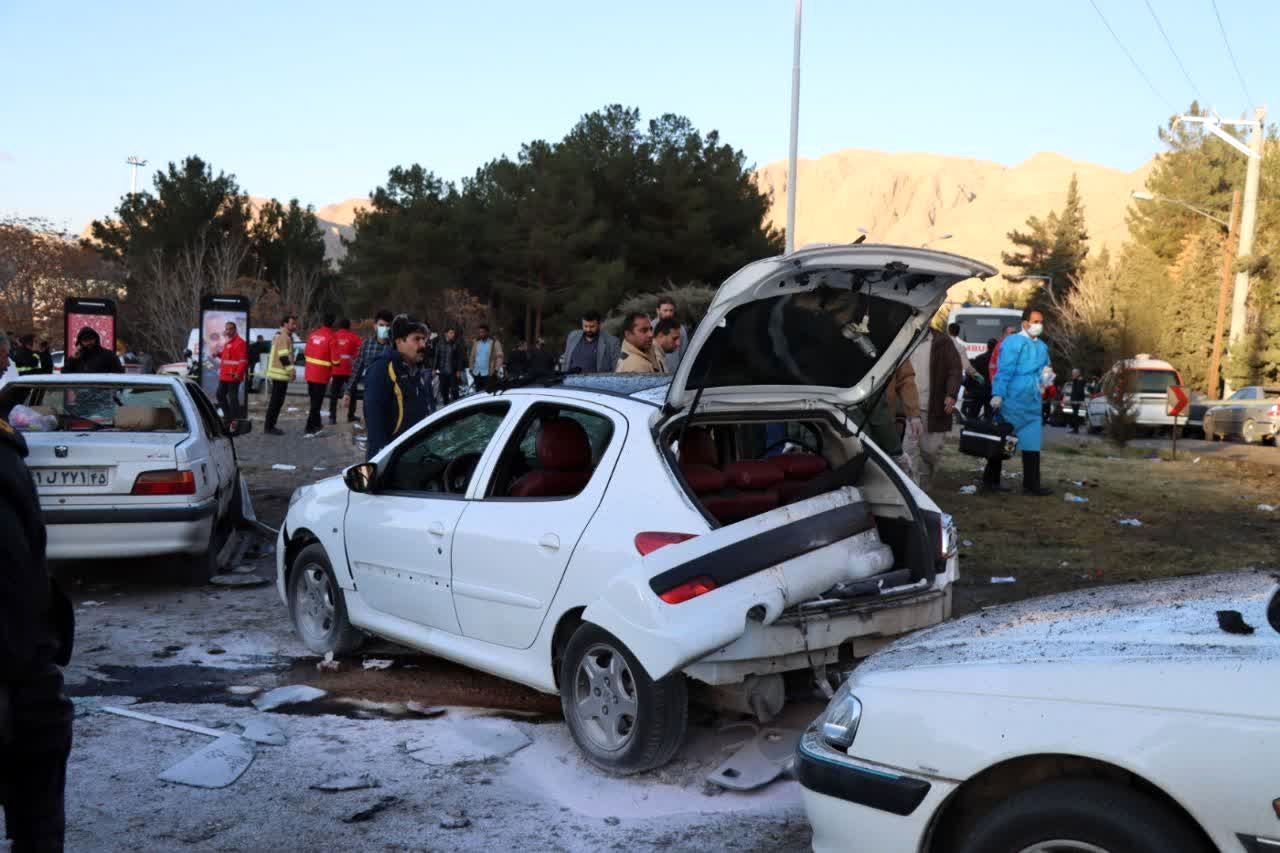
(1249, 432)
(317, 605)
(1080, 816)
(622, 720)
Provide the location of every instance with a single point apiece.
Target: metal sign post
(1176, 401)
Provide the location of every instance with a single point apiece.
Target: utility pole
(792, 177)
(134, 162)
(1249, 211)
(1228, 253)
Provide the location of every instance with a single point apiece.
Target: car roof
(98, 379)
(642, 393)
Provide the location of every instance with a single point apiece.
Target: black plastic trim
(900, 795)
(757, 553)
(130, 515)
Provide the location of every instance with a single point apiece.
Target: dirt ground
(1198, 514)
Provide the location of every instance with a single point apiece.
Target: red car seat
(564, 454)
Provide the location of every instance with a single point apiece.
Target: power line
(1136, 66)
(1176, 58)
(1230, 52)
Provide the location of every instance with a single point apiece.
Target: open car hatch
(827, 323)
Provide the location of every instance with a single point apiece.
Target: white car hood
(1155, 644)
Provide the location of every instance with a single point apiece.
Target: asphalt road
(1234, 451)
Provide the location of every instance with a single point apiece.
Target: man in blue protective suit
(1015, 395)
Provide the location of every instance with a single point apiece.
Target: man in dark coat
(36, 627)
(397, 387)
(91, 356)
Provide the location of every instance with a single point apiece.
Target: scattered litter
(244, 689)
(1074, 499)
(91, 604)
(968, 543)
(455, 820)
(216, 650)
(428, 711)
(320, 468)
(968, 490)
(1233, 623)
(1063, 564)
(328, 664)
(1095, 575)
(1114, 459)
(468, 741)
(358, 427)
(1006, 579)
(1130, 522)
(347, 782)
(377, 663)
(238, 579)
(214, 765)
(758, 761)
(245, 569)
(370, 813)
(264, 730)
(293, 409)
(612, 821)
(1266, 508)
(1195, 461)
(162, 721)
(167, 652)
(280, 466)
(292, 694)
(85, 705)
(1012, 475)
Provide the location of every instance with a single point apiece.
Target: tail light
(650, 541)
(1274, 411)
(687, 590)
(169, 482)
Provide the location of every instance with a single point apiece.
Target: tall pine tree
(1055, 246)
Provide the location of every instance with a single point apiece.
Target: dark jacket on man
(608, 350)
(540, 361)
(395, 399)
(31, 363)
(450, 358)
(946, 372)
(36, 628)
(1077, 390)
(97, 360)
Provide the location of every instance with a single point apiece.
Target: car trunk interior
(735, 468)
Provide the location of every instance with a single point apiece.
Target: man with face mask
(1015, 395)
(372, 347)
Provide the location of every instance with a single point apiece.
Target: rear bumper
(810, 639)
(80, 533)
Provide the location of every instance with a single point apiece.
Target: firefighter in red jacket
(346, 344)
(319, 358)
(231, 372)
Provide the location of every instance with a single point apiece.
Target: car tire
(1082, 815)
(623, 721)
(317, 605)
(1249, 432)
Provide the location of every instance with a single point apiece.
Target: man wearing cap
(397, 387)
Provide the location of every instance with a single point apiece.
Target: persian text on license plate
(69, 476)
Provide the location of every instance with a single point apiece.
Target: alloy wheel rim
(316, 612)
(605, 702)
(1250, 431)
(1063, 845)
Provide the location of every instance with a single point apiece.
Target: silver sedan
(1252, 420)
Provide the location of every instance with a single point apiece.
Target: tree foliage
(1055, 246)
(612, 209)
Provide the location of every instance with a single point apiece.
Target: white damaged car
(1142, 718)
(613, 539)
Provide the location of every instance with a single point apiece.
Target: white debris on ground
(280, 466)
(377, 663)
(1074, 499)
(1004, 579)
(467, 741)
(292, 694)
(1129, 522)
(1266, 508)
(968, 490)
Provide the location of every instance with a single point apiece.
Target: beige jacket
(633, 360)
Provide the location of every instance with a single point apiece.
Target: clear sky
(317, 100)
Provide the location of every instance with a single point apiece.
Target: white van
(979, 324)
(1149, 379)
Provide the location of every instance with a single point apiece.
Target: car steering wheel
(457, 474)
(783, 442)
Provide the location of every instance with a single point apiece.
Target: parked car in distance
(1132, 719)
(1201, 403)
(129, 466)
(1149, 380)
(1251, 414)
(611, 538)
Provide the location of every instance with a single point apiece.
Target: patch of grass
(1196, 517)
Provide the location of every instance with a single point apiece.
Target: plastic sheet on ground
(214, 765)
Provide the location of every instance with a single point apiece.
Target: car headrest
(563, 446)
(144, 418)
(697, 447)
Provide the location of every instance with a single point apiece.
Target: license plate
(69, 476)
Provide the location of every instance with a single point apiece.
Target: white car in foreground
(612, 537)
(129, 466)
(1124, 719)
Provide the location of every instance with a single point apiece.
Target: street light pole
(134, 162)
(1215, 359)
(792, 177)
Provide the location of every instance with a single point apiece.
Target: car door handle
(550, 541)
(437, 529)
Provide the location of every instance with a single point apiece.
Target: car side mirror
(359, 478)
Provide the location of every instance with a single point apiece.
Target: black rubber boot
(991, 477)
(1031, 475)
